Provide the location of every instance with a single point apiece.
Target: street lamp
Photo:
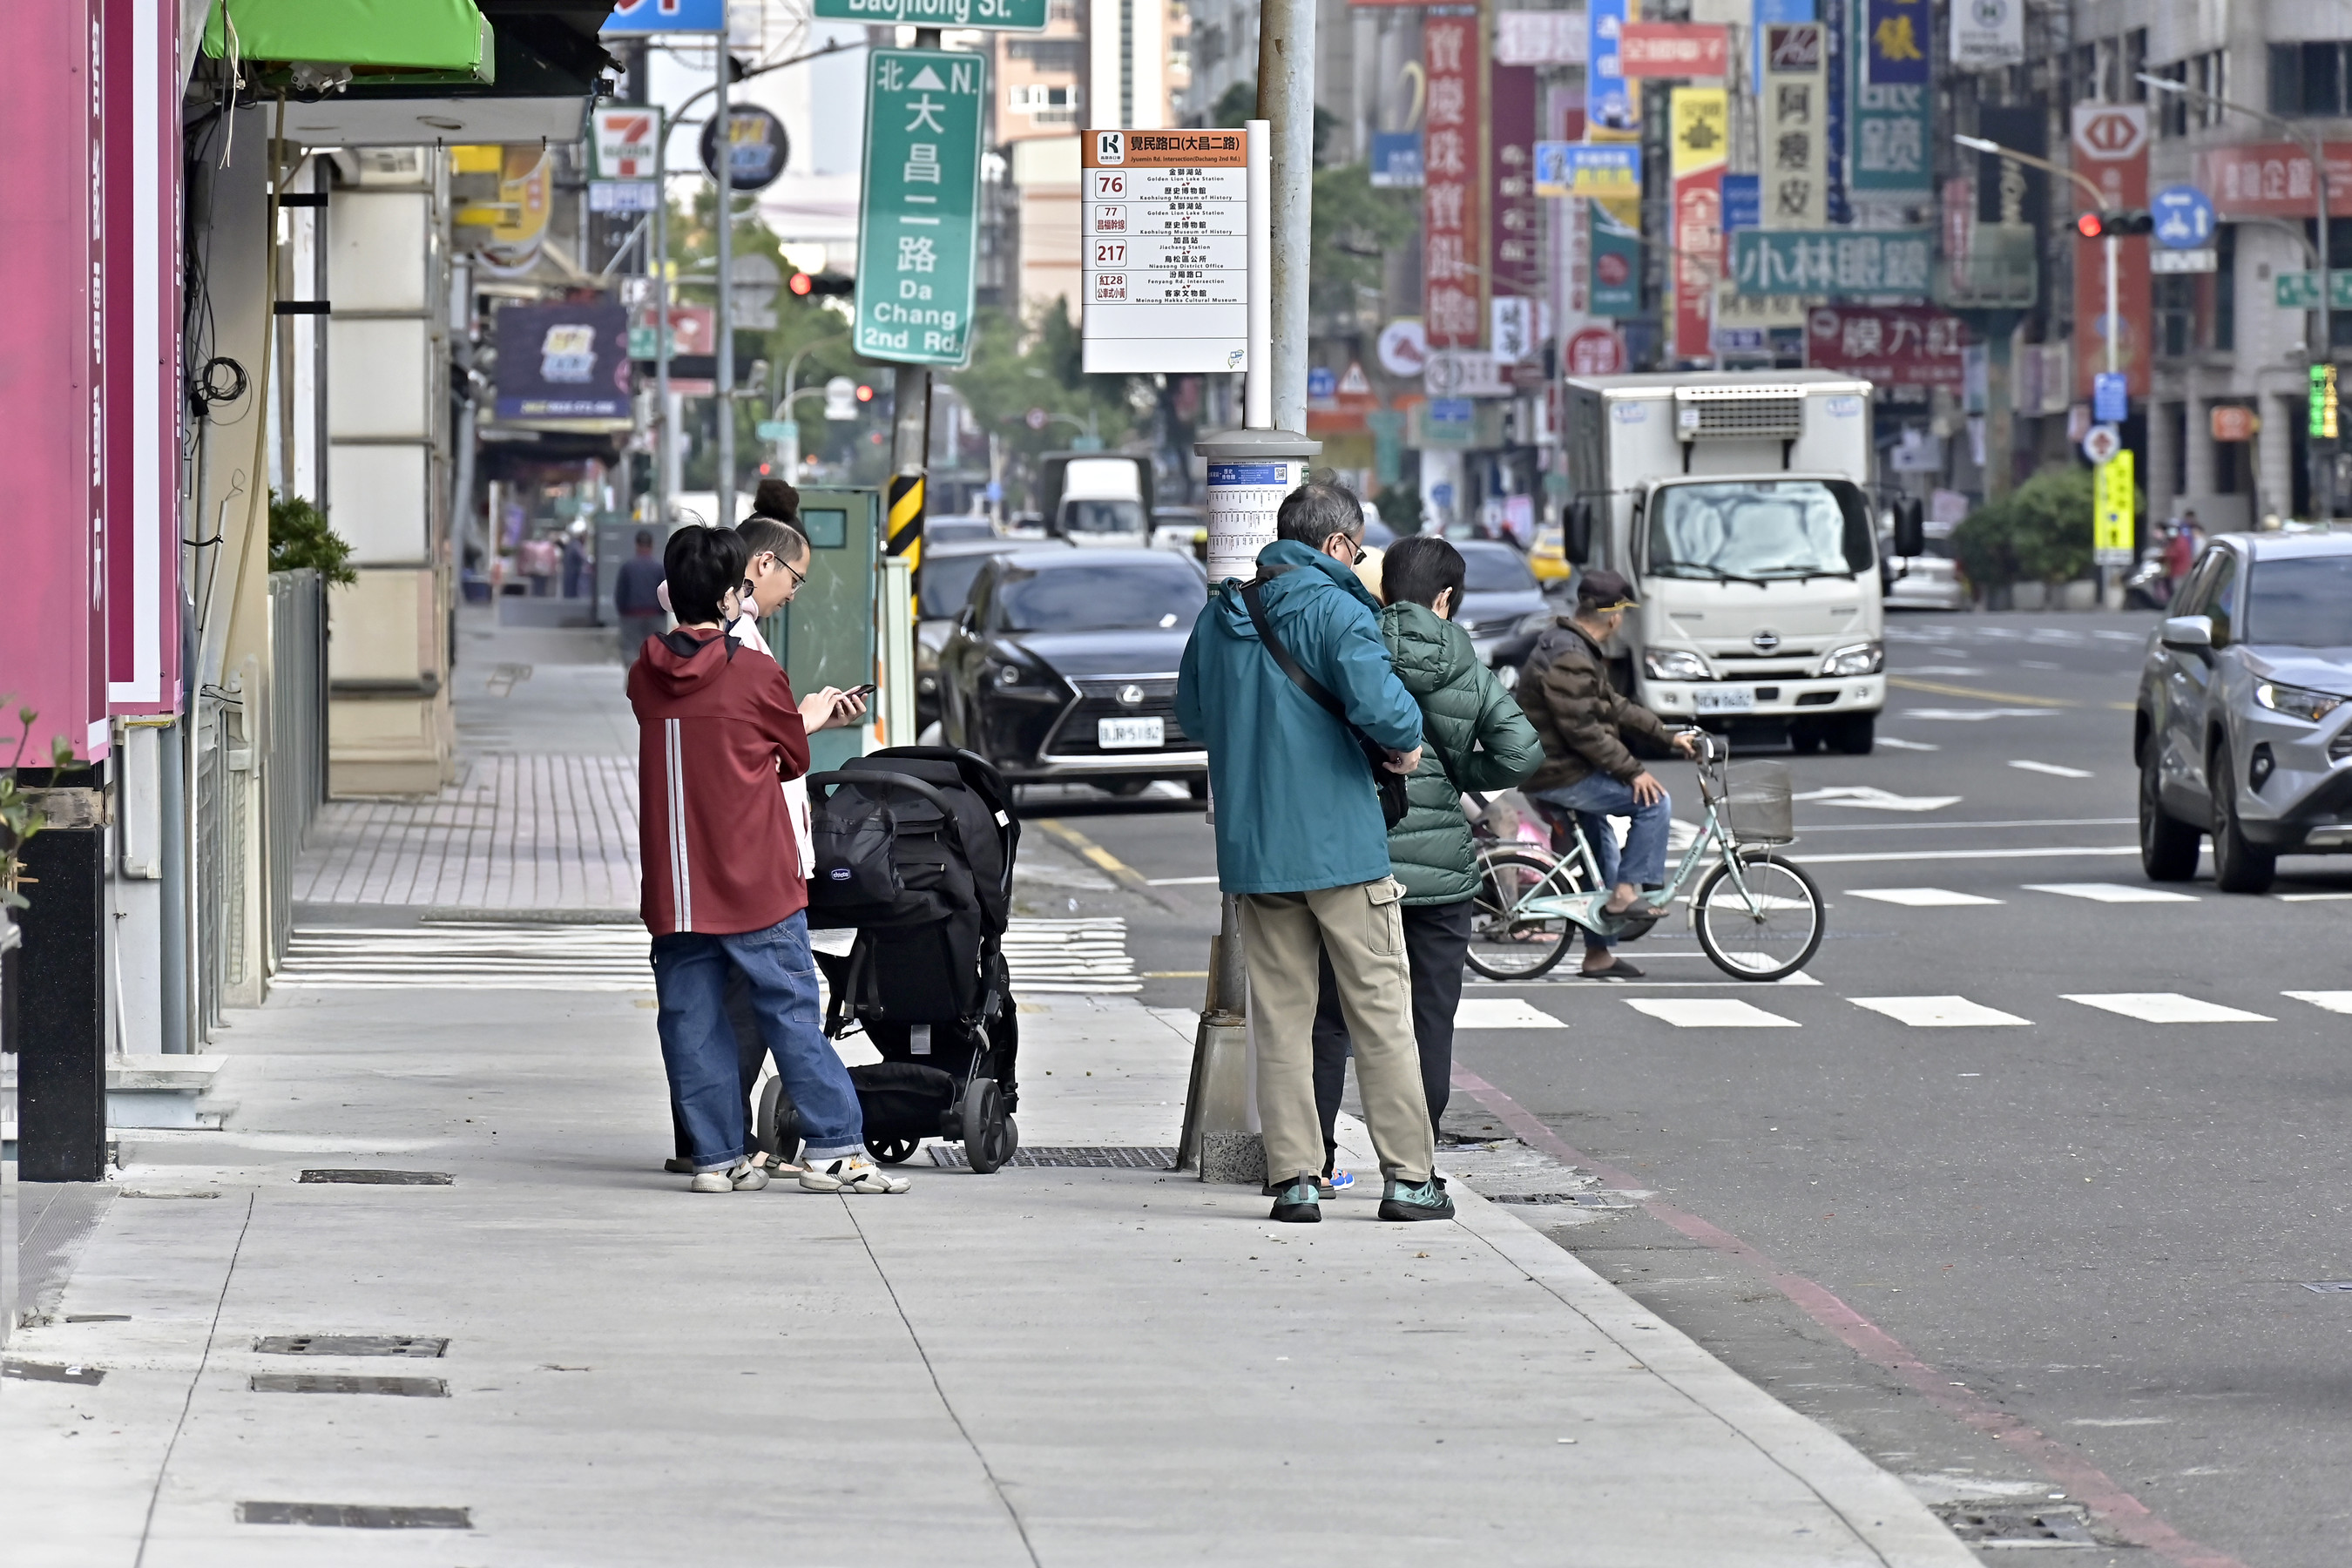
(790, 447)
(2323, 476)
(2112, 240)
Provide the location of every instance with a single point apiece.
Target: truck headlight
(1855, 659)
(1674, 663)
(2296, 702)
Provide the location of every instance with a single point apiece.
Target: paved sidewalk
(1042, 1366)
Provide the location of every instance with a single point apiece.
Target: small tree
(2039, 532)
(300, 537)
(18, 820)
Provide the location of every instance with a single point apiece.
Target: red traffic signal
(864, 393)
(2115, 224)
(807, 283)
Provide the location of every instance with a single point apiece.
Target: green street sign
(1001, 16)
(779, 429)
(918, 221)
(2299, 291)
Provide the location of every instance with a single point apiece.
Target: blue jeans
(698, 1044)
(1597, 797)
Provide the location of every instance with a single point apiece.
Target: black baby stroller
(914, 850)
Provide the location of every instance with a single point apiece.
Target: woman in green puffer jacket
(1476, 737)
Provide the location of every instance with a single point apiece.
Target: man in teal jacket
(1302, 846)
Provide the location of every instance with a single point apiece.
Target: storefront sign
(1453, 228)
(1700, 123)
(1896, 347)
(1795, 117)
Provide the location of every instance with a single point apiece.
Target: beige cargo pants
(1361, 926)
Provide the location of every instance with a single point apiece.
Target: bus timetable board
(1167, 251)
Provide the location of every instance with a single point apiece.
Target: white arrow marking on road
(2334, 1001)
(1870, 797)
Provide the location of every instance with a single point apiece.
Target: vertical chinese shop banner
(1795, 114)
(1454, 265)
(1891, 110)
(1515, 235)
(2111, 149)
(1699, 123)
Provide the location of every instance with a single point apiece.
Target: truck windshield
(1754, 531)
(1102, 516)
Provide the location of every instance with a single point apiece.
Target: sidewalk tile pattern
(513, 833)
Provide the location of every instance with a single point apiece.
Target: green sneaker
(1299, 1203)
(1427, 1201)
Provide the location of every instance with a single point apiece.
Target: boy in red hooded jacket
(716, 728)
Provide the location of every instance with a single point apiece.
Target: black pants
(750, 1051)
(1436, 943)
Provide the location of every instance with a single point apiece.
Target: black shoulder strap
(1374, 752)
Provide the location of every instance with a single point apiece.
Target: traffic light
(2119, 224)
(2323, 402)
(820, 283)
(864, 393)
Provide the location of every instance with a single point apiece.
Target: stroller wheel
(982, 1123)
(1011, 1138)
(893, 1150)
(776, 1124)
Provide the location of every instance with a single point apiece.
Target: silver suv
(2244, 721)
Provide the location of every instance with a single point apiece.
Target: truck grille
(1076, 734)
(1739, 414)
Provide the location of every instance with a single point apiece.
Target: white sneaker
(850, 1173)
(740, 1177)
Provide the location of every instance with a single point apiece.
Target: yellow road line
(1089, 850)
(1940, 690)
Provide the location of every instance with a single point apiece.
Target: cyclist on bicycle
(1564, 687)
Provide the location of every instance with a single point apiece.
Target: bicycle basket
(1758, 803)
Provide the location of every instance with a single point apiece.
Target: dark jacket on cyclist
(1564, 687)
(1469, 725)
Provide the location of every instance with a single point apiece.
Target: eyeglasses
(800, 578)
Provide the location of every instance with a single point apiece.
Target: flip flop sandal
(1619, 970)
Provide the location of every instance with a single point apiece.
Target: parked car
(942, 582)
(1184, 528)
(2243, 725)
(1063, 665)
(945, 530)
(1503, 606)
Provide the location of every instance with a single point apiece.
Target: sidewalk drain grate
(38, 1372)
(354, 1516)
(381, 1178)
(408, 1345)
(1088, 1157)
(1990, 1527)
(330, 1382)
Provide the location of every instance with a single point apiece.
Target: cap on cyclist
(1588, 770)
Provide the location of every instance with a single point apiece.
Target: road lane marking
(2334, 1001)
(1942, 689)
(2111, 893)
(2311, 898)
(1949, 826)
(1937, 1012)
(1972, 715)
(1502, 1013)
(1711, 1013)
(1870, 797)
(2053, 769)
(2168, 1008)
(1892, 744)
(2062, 853)
(1920, 898)
(1179, 881)
(1084, 957)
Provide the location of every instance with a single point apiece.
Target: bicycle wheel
(1777, 937)
(1505, 945)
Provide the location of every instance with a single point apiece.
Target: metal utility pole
(2320, 459)
(1286, 101)
(665, 447)
(723, 375)
(910, 432)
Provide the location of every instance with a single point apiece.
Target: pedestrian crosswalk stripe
(2111, 893)
(1919, 898)
(1709, 1012)
(1085, 957)
(2168, 1008)
(469, 957)
(1937, 1012)
(1502, 1013)
(2334, 1001)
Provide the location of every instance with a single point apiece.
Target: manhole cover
(1983, 1527)
(1095, 1157)
(354, 1516)
(409, 1345)
(381, 1178)
(38, 1372)
(328, 1383)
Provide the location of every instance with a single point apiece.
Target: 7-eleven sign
(625, 140)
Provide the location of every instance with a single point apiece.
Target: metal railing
(294, 746)
(220, 859)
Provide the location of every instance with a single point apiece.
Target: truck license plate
(1726, 700)
(1129, 734)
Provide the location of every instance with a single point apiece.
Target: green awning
(367, 34)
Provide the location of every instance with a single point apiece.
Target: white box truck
(1742, 507)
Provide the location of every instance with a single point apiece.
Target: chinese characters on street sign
(1891, 109)
(1581, 169)
(916, 226)
(1894, 346)
(2111, 538)
(1166, 251)
(1831, 263)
